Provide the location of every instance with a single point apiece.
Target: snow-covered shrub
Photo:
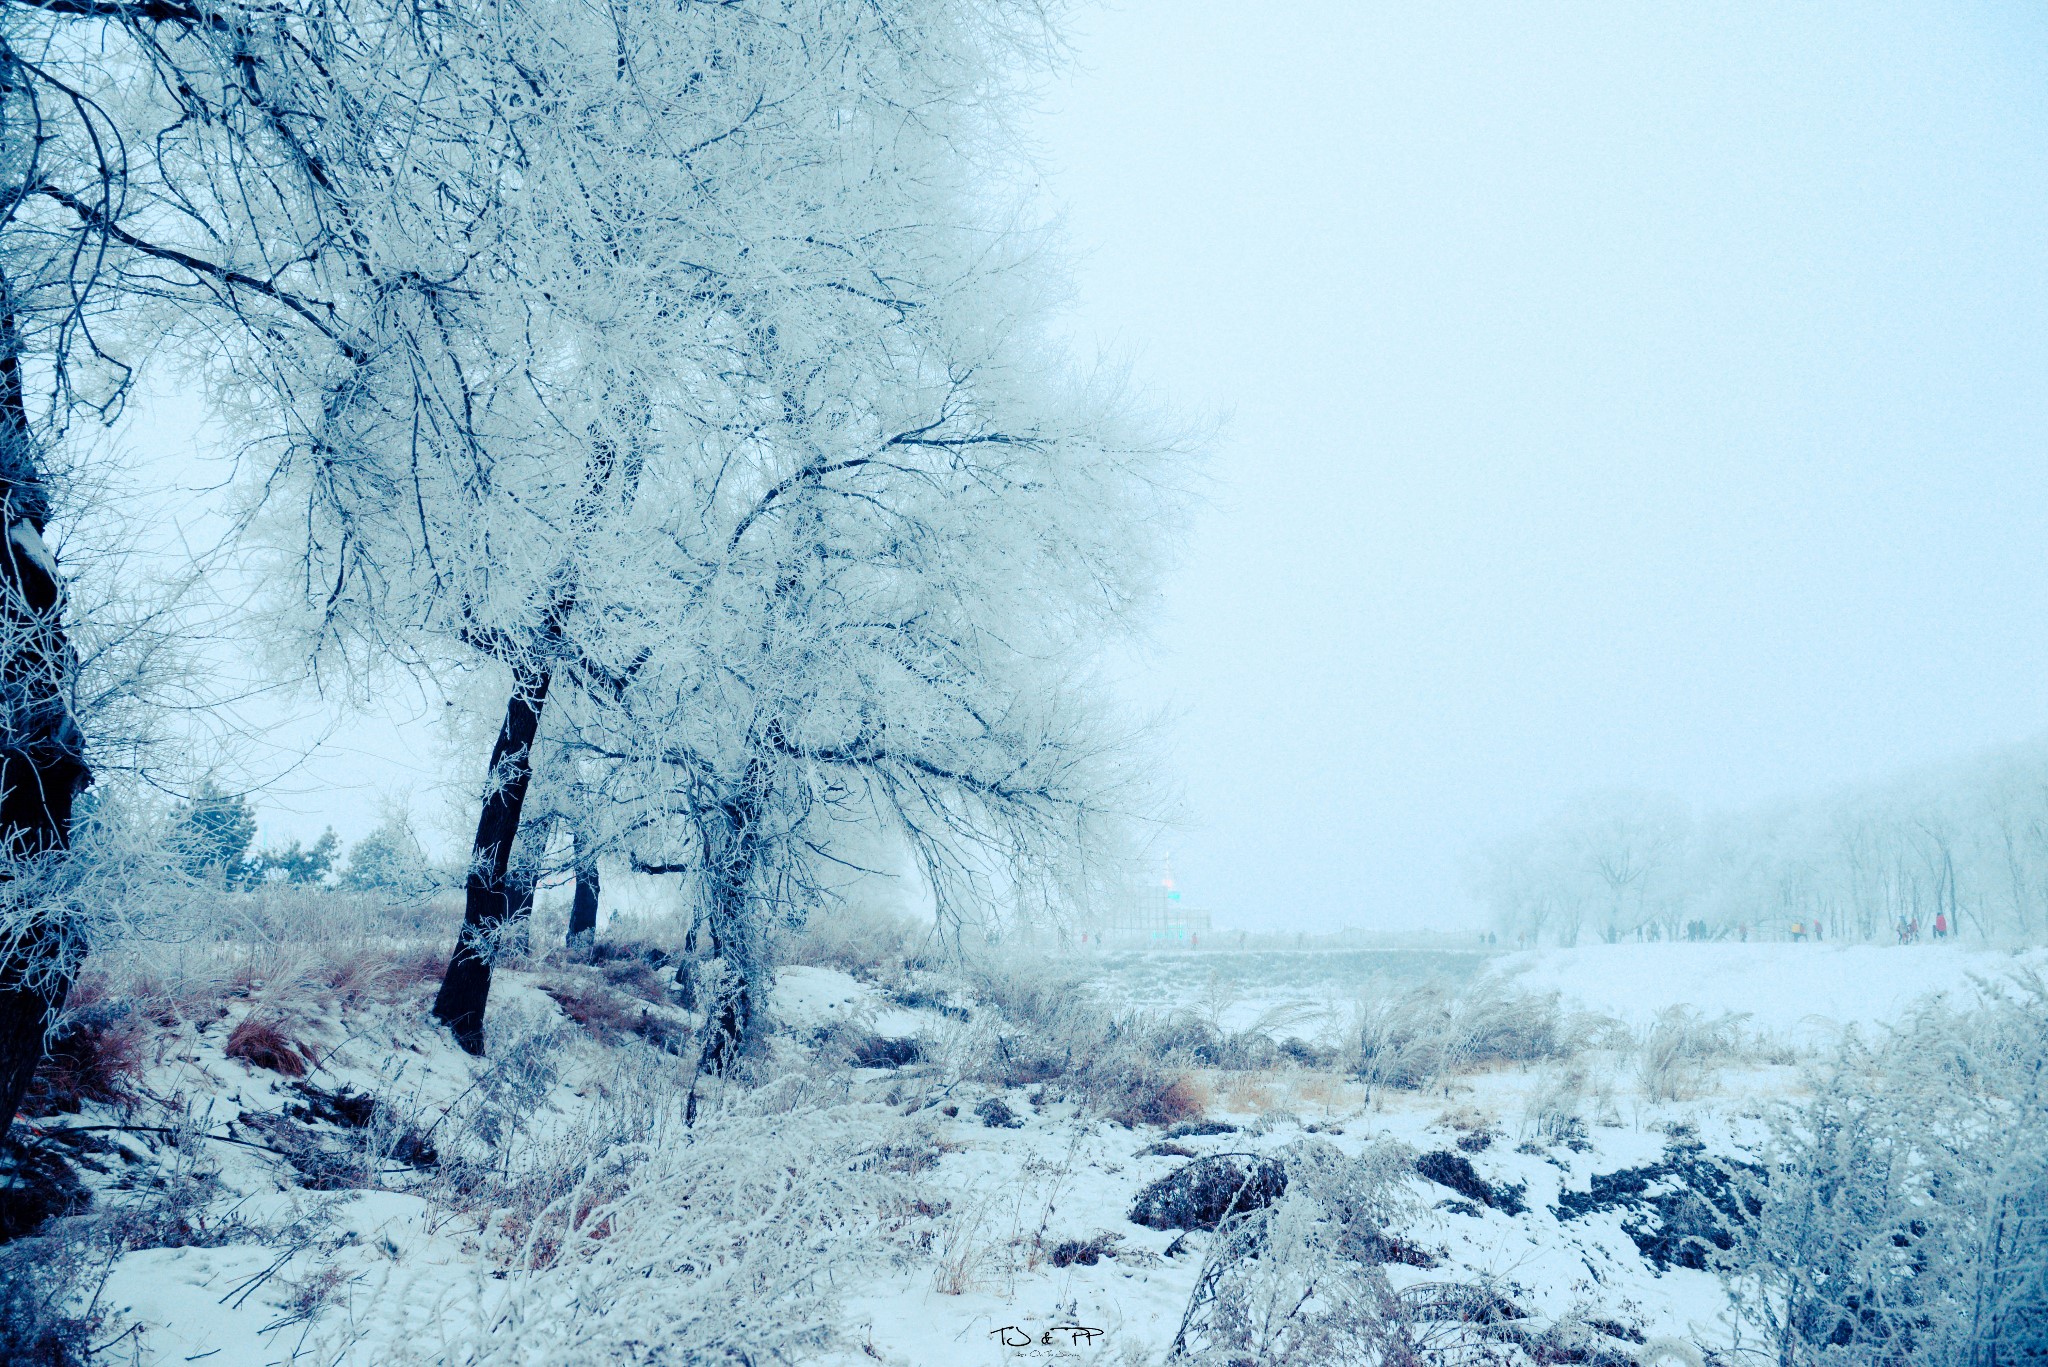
(93, 1054)
(1271, 1039)
(1904, 1219)
(49, 1311)
(1555, 1112)
(713, 1243)
(1302, 1280)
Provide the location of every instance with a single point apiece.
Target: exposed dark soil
(1679, 1211)
(1198, 1195)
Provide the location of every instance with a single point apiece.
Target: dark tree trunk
(490, 894)
(583, 911)
(42, 752)
(731, 846)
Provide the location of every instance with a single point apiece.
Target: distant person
(1902, 930)
(1913, 930)
(1798, 931)
(1941, 925)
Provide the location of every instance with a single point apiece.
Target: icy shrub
(1035, 1026)
(1555, 1110)
(1300, 1279)
(871, 945)
(48, 1301)
(1681, 1050)
(866, 1050)
(1193, 1129)
(714, 1243)
(1905, 1216)
(1269, 1041)
(37, 1184)
(1417, 1038)
(1167, 1101)
(1084, 1252)
(262, 1041)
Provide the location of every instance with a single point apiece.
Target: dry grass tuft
(261, 1042)
(1167, 1102)
(95, 1055)
(1250, 1093)
(1429, 1033)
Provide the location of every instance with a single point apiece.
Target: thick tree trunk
(42, 752)
(583, 910)
(490, 894)
(731, 846)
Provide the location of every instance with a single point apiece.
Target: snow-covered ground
(974, 1260)
(1793, 990)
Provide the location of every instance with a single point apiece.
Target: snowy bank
(1791, 989)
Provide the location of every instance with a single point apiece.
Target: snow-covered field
(1804, 993)
(976, 1223)
(1795, 990)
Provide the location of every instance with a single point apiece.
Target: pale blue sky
(1622, 395)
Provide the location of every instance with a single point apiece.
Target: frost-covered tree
(1962, 847)
(388, 860)
(212, 832)
(100, 247)
(663, 357)
(297, 864)
(703, 394)
(50, 366)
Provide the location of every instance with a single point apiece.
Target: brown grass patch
(419, 964)
(1178, 1099)
(612, 1017)
(1249, 1092)
(1326, 1092)
(261, 1042)
(94, 1056)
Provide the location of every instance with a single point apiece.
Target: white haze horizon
(1616, 398)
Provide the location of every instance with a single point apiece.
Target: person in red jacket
(1941, 925)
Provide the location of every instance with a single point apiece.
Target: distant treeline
(1965, 846)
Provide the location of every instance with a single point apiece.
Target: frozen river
(1236, 984)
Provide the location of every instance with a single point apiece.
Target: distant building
(1150, 911)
